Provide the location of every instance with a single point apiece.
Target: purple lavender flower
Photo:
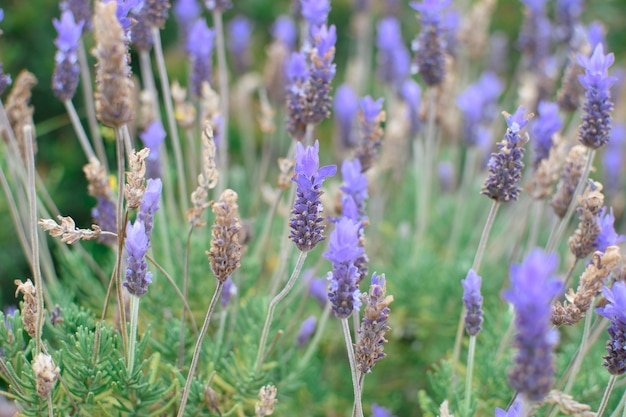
(567, 13)
(478, 103)
(66, 68)
(505, 167)
(534, 38)
(200, 48)
(531, 292)
(124, 8)
(608, 236)
(370, 112)
(411, 93)
(228, 291)
(306, 221)
(445, 174)
(307, 328)
(297, 75)
(543, 128)
(187, 12)
(370, 117)
(137, 244)
(613, 159)
(218, 5)
(315, 11)
(152, 138)
(378, 411)
(156, 12)
(103, 215)
(596, 34)
(430, 45)
(322, 73)
(284, 30)
(141, 30)
(473, 301)
(81, 10)
(239, 32)
(355, 185)
(393, 59)
(318, 289)
(514, 410)
(346, 107)
(343, 251)
(451, 24)
(150, 204)
(615, 311)
(596, 128)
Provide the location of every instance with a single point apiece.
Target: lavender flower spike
(239, 32)
(321, 74)
(411, 93)
(66, 68)
(306, 331)
(473, 301)
(615, 311)
(429, 47)
(345, 108)
(596, 127)
(370, 117)
(137, 244)
(218, 5)
(200, 47)
(306, 221)
(531, 292)
(607, 236)
(505, 167)
(81, 10)
(544, 127)
(315, 11)
(393, 59)
(343, 251)
(152, 138)
(150, 204)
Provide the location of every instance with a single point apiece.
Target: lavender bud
(229, 291)
(505, 167)
(239, 32)
(141, 31)
(531, 293)
(615, 311)
(297, 75)
(607, 236)
(567, 13)
(66, 68)
(306, 222)
(218, 5)
(81, 11)
(393, 59)
(321, 73)
(355, 185)
(200, 48)
(596, 127)
(343, 251)
(307, 328)
(152, 138)
(318, 289)
(430, 45)
(284, 30)
(513, 411)
(596, 34)
(371, 116)
(315, 11)
(5, 80)
(346, 107)
(150, 204)
(473, 301)
(543, 128)
(156, 12)
(137, 244)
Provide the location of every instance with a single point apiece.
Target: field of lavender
(313, 208)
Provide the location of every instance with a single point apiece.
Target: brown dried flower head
(581, 243)
(274, 72)
(207, 179)
(19, 111)
(474, 31)
(567, 405)
(225, 252)
(267, 397)
(97, 178)
(184, 111)
(46, 374)
(135, 178)
(285, 165)
(547, 172)
(68, 231)
(113, 83)
(30, 307)
(574, 164)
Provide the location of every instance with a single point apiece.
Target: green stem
(80, 132)
(119, 133)
(358, 407)
(606, 396)
(578, 359)
(620, 407)
(50, 408)
(428, 159)
(224, 100)
(470, 372)
(132, 337)
(198, 348)
(270, 310)
(181, 336)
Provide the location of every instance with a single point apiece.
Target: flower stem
(120, 220)
(427, 163)
(80, 132)
(620, 407)
(224, 100)
(198, 348)
(132, 337)
(50, 408)
(171, 121)
(470, 372)
(358, 407)
(606, 396)
(272, 306)
(181, 337)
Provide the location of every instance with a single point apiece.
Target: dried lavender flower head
(615, 311)
(430, 45)
(66, 68)
(532, 289)
(371, 115)
(595, 130)
(505, 167)
(473, 301)
(46, 374)
(306, 221)
(225, 253)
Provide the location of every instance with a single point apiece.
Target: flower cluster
(478, 103)
(393, 59)
(473, 301)
(430, 45)
(371, 115)
(66, 69)
(615, 311)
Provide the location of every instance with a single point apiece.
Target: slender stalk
(606, 396)
(582, 183)
(171, 121)
(50, 408)
(578, 359)
(470, 372)
(80, 132)
(19, 227)
(538, 206)
(147, 76)
(132, 337)
(224, 100)
(358, 407)
(621, 406)
(462, 197)
(261, 247)
(181, 336)
(34, 243)
(285, 251)
(198, 348)
(85, 76)
(525, 407)
(308, 134)
(270, 310)
(120, 218)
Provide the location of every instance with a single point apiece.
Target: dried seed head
(97, 178)
(285, 165)
(582, 242)
(46, 374)
(207, 179)
(591, 280)
(571, 92)
(225, 250)
(567, 405)
(30, 308)
(114, 86)
(547, 172)
(574, 164)
(274, 71)
(267, 397)
(184, 111)
(68, 231)
(19, 112)
(211, 400)
(266, 115)
(135, 178)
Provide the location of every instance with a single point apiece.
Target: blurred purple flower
(514, 410)
(567, 14)
(318, 289)
(355, 185)
(200, 48)
(393, 59)
(315, 11)
(239, 33)
(543, 128)
(187, 12)
(284, 30)
(141, 30)
(346, 107)
(608, 236)
(218, 5)
(473, 301)
(66, 68)
(532, 289)
(228, 292)
(81, 10)
(613, 159)
(104, 215)
(156, 12)
(615, 311)
(378, 411)
(430, 45)
(451, 24)
(534, 37)
(152, 138)
(478, 104)
(307, 328)
(596, 33)
(124, 7)
(445, 174)
(150, 204)
(411, 93)
(137, 244)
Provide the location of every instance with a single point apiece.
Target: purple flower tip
(296, 68)
(137, 242)
(200, 41)
(306, 331)
(517, 121)
(608, 236)
(325, 39)
(307, 163)
(284, 30)
(187, 10)
(240, 29)
(152, 195)
(69, 31)
(1, 15)
(315, 11)
(355, 182)
(371, 108)
(596, 33)
(513, 411)
(378, 411)
(535, 5)
(343, 245)
(229, 291)
(430, 7)
(616, 309)
(153, 136)
(318, 289)
(598, 65)
(388, 33)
